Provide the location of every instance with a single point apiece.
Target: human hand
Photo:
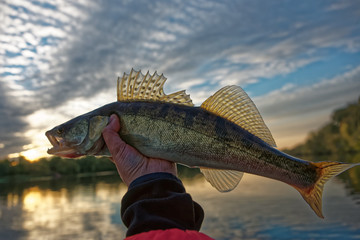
(129, 162)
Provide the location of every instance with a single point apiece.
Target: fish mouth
(59, 147)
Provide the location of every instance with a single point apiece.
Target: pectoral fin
(222, 180)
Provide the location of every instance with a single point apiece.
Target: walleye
(224, 137)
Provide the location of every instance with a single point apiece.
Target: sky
(297, 60)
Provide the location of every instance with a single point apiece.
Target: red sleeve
(170, 234)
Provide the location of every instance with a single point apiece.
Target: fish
(224, 137)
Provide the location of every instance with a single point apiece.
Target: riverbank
(55, 176)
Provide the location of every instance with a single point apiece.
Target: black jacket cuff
(159, 201)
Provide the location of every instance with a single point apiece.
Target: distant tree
(340, 136)
(64, 166)
(87, 164)
(4, 167)
(40, 167)
(20, 166)
(104, 164)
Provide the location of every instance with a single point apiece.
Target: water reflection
(264, 209)
(259, 208)
(71, 208)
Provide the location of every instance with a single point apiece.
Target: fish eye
(59, 131)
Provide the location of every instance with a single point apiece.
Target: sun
(32, 154)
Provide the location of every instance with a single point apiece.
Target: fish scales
(195, 137)
(225, 136)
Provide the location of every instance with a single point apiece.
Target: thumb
(114, 123)
(111, 136)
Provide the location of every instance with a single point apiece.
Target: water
(259, 208)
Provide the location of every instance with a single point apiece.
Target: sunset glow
(33, 154)
(296, 61)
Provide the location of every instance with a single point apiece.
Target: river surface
(259, 208)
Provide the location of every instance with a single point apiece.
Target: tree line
(338, 140)
(55, 166)
(340, 136)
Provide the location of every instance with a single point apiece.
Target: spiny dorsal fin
(222, 180)
(233, 104)
(138, 87)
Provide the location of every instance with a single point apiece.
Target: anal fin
(222, 180)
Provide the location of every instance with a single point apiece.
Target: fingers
(114, 123)
(111, 136)
(130, 163)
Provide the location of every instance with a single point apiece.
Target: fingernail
(112, 118)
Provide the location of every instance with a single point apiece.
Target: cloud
(30, 35)
(54, 53)
(292, 111)
(117, 40)
(338, 6)
(12, 124)
(329, 93)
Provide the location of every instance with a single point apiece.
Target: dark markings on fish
(146, 126)
(132, 108)
(189, 118)
(136, 108)
(293, 169)
(220, 129)
(164, 111)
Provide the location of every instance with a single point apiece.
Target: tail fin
(326, 171)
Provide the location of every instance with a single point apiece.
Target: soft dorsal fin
(222, 180)
(138, 87)
(233, 104)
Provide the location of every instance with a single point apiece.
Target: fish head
(79, 136)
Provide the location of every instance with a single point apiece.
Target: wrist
(154, 166)
(153, 176)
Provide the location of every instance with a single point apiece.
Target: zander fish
(224, 137)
